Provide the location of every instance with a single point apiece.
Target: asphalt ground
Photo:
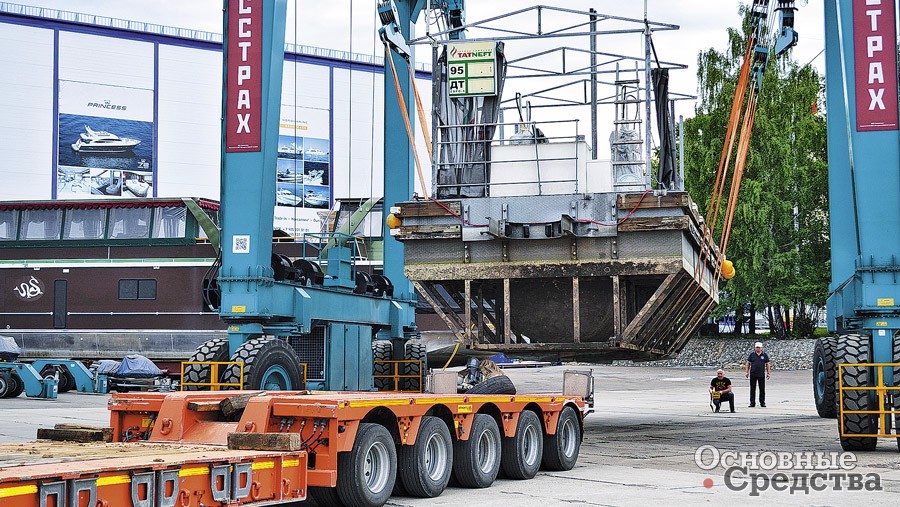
(639, 445)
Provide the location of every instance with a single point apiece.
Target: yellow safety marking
(378, 403)
(18, 491)
(464, 409)
(113, 480)
(533, 398)
(290, 463)
(235, 328)
(881, 323)
(885, 301)
(238, 309)
(263, 466)
(145, 422)
(438, 400)
(190, 472)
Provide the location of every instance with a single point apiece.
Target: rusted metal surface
(544, 269)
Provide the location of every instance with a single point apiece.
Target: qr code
(240, 244)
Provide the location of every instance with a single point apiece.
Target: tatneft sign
(471, 69)
(875, 53)
(244, 76)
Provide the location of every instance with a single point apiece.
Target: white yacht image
(284, 197)
(316, 200)
(101, 141)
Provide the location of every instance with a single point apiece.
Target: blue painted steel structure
(254, 303)
(864, 192)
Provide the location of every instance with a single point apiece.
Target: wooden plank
(234, 404)
(265, 441)
(448, 231)
(629, 335)
(75, 433)
(203, 406)
(452, 324)
(429, 209)
(638, 224)
(628, 202)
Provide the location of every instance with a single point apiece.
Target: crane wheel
(215, 350)
(825, 377)
(424, 468)
(476, 461)
(270, 364)
(5, 384)
(521, 454)
(66, 380)
(561, 448)
(415, 350)
(854, 348)
(382, 350)
(367, 473)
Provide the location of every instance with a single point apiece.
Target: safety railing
(396, 376)
(214, 384)
(885, 394)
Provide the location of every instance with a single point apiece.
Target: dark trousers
(762, 390)
(727, 396)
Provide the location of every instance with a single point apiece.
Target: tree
(779, 240)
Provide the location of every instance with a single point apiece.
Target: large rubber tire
(66, 380)
(5, 384)
(424, 468)
(382, 350)
(521, 455)
(854, 348)
(415, 350)
(561, 449)
(896, 393)
(476, 461)
(494, 385)
(325, 497)
(367, 473)
(270, 364)
(825, 377)
(19, 387)
(215, 350)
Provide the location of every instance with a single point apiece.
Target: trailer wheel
(66, 380)
(825, 378)
(423, 469)
(382, 350)
(367, 473)
(415, 350)
(897, 383)
(5, 384)
(18, 388)
(561, 448)
(476, 461)
(215, 350)
(521, 454)
(269, 364)
(854, 348)
(494, 385)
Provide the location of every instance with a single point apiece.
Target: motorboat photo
(316, 200)
(284, 197)
(101, 141)
(137, 187)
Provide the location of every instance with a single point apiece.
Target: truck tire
(476, 461)
(854, 348)
(367, 473)
(215, 350)
(5, 384)
(424, 468)
(325, 497)
(415, 350)
(270, 364)
(561, 449)
(521, 453)
(66, 380)
(19, 387)
(494, 385)
(382, 350)
(825, 377)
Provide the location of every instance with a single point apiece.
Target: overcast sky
(350, 25)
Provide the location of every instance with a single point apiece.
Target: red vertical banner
(875, 56)
(243, 54)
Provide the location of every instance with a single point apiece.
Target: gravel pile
(731, 354)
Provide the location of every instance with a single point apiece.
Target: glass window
(9, 221)
(137, 289)
(40, 224)
(129, 223)
(169, 222)
(84, 224)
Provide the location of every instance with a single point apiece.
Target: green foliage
(779, 242)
